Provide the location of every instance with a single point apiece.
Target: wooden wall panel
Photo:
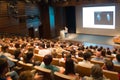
(3, 8)
(11, 24)
(21, 8)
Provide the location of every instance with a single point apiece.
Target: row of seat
(57, 63)
(47, 74)
(85, 71)
(82, 70)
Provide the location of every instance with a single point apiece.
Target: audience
(49, 49)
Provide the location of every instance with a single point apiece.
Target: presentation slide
(102, 17)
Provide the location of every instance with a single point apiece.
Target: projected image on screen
(103, 18)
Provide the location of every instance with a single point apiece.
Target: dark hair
(103, 53)
(4, 48)
(26, 75)
(17, 53)
(47, 59)
(80, 54)
(109, 52)
(109, 65)
(68, 55)
(96, 72)
(3, 65)
(48, 45)
(87, 56)
(118, 57)
(69, 66)
(17, 45)
(28, 57)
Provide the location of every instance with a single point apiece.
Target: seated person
(17, 53)
(28, 57)
(70, 69)
(86, 61)
(98, 56)
(108, 65)
(5, 74)
(47, 64)
(28, 75)
(117, 60)
(96, 73)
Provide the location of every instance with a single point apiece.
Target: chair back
(83, 70)
(24, 66)
(59, 76)
(55, 61)
(117, 68)
(97, 62)
(37, 57)
(111, 75)
(47, 74)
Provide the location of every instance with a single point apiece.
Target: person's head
(3, 66)
(47, 59)
(87, 56)
(69, 66)
(109, 65)
(103, 53)
(4, 48)
(26, 75)
(80, 54)
(17, 45)
(17, 53)
(118, 57)
(98, 54)
(96, 72)
(68, 55)
(28, 57)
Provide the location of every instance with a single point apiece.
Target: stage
(88, 39)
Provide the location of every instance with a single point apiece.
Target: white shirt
(85, 63)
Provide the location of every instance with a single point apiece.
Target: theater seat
(25, 66)
(97, 62)
(82, 70)
(47, 74)
(111, 75)
(59, 76)
(117, 68)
